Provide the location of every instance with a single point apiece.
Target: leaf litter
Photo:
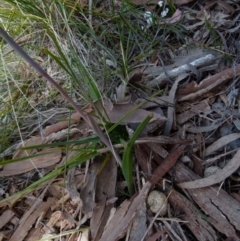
(195, 119)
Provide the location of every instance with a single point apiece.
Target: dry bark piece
(29, 219)
(167, 164)
(195, 221)
(5, 217)
(195, 110)
(194, 90)
(175, 231)
(222, 209)
(158, 149)
(124, 216)
(139, 227)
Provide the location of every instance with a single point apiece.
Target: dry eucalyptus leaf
(44, 158)
(219, 176)
(221, 142)
(118, 111)
(87, 194)
(105, 190)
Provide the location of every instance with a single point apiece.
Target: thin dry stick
(91, 122)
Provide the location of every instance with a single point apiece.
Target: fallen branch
(202, 61)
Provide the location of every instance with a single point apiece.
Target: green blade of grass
(127, 162)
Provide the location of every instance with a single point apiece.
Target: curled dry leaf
(171, 109)
(201, 129)
(221, 142)
(219, 176)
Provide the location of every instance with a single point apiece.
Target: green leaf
(127, 162)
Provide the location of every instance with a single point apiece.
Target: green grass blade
(127, 162)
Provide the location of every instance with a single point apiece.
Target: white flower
(164, 12)
(160, 4)
(149, 17)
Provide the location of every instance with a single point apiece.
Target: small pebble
(211, 170)
(157, 200)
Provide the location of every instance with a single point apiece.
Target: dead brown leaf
(105, 190)
(44, 158)
(175, 17)
(87, 194)
(118, 111)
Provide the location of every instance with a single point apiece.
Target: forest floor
(146, 147)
